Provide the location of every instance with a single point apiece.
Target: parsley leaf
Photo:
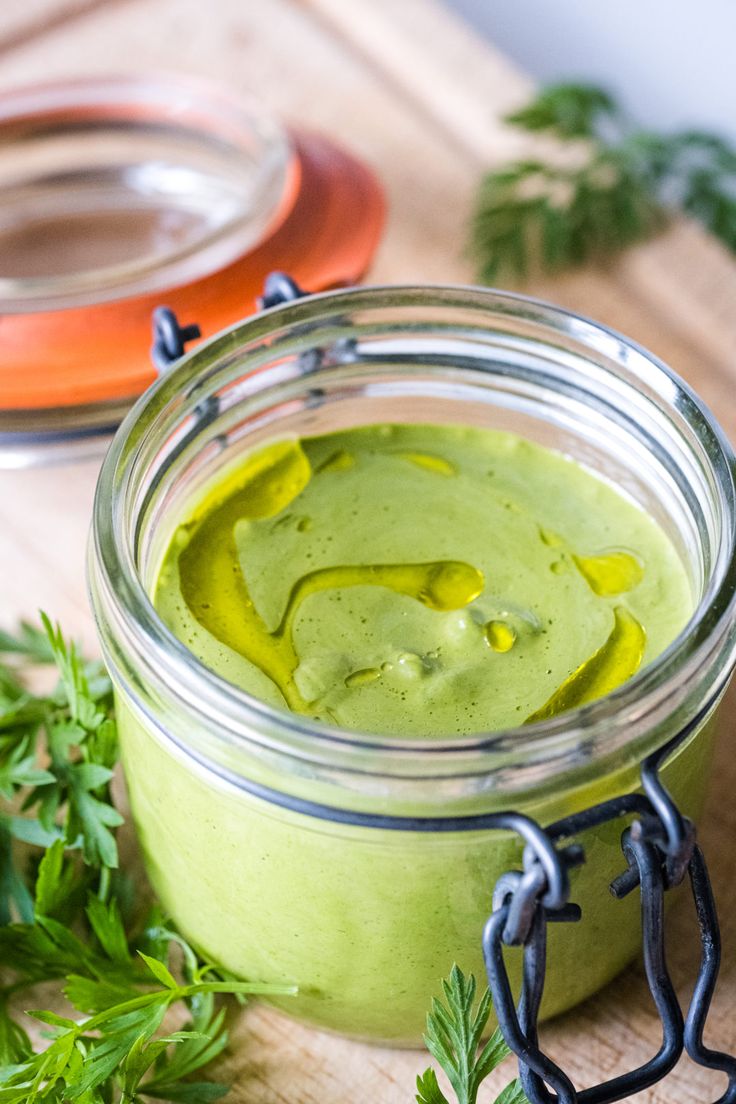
(607, 186)
(120, 1043)
(571, 110)
(30, 642)
(14, 1042)
(64, 915)
(74, 729)
(453, 1037)
(14, 894)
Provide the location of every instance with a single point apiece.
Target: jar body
(366, 921)
(254, 822)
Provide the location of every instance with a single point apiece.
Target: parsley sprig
(65, 915)
(144, 1020)
(118, 1047)
(455, 1028)
(57, 753)
(605, 186)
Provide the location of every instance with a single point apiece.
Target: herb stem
(103, 890)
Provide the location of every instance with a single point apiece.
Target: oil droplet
(500, 636)
(610, 573)
(559, 567)
(448, 584)
(304, 524)
(363, 677)
(426, 460)
(337, 461)
(615, 661)
(551, 539)
(410, 665)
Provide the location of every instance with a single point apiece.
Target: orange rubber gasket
(92, 354)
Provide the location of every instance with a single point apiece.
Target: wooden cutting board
(420, 97)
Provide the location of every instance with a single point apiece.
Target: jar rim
(259, 154)
(706, 644)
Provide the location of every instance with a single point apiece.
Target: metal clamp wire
(710, 960)
(279, 288)
(170, 338)
(538, 1071)
(661, 820)
(679, 832)
(528, 1053)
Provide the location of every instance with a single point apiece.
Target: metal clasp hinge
(660, 848)
(170, 338)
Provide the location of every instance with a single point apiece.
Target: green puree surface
(421, 580)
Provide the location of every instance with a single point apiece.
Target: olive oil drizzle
(615, 661)
(610, 573)
(438, 465)
(442, 585)
(216, 592)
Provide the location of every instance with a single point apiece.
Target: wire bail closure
(660, 849)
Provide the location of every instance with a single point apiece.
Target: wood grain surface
(420, 97)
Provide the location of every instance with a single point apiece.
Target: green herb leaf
(15, 1046)
(68, 923)
(591, 199)
(15, 897)
(107, 924)
(27, 830)
(70, 794)
(570, 110)
(195, 1050)
(30, 642)
(120, 1043)
(428, 1090)
(159, 971)
(54, 881)
(93, 995)
(455, 1028)
(93, 819)
(19, 769)
(513, 1094)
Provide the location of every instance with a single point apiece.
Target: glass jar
(359, 867)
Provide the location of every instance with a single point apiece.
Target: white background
(671, 63)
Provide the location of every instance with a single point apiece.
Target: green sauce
(421, 581)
